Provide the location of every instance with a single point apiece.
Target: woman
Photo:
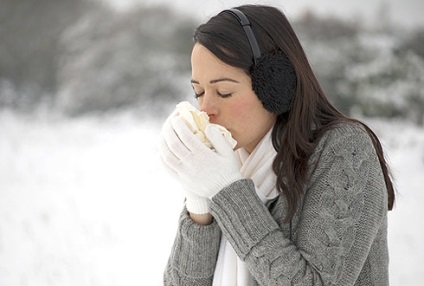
(303, 199)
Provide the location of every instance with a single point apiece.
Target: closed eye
(197, 95)
(224, 95)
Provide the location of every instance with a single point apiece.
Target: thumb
(218, 141)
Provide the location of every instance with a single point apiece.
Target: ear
(274, 82)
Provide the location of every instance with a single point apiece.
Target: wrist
(202, 219)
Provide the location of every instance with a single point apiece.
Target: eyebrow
(217, 80)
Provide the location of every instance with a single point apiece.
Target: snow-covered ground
(85, 202)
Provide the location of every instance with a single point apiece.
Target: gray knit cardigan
(338, 235)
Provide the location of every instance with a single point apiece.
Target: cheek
(240, 109)
(247, 104)
(243, 117)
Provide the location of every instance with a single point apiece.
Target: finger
(169, 159)
(218, 141)
(175, 145)
(187, 137)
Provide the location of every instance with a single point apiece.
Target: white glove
(200, 170)
(194, 203)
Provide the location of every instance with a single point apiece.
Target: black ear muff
(274, 81)
(273, 75)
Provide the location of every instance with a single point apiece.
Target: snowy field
(85, 201)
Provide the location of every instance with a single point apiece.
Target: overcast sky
(405, 12)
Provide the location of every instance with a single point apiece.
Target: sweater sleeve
(344, 205)
(194, 253)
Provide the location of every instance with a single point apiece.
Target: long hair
(295, 133)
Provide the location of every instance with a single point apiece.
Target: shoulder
(345, 132)
(345, 136)
(344, 143)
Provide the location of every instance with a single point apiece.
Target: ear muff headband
(273, 75)
(245, 23)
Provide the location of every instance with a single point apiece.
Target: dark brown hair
(295, 133)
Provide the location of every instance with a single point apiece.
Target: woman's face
(225, 93)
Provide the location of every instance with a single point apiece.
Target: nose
(209, 104)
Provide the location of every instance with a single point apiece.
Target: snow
(84, 201)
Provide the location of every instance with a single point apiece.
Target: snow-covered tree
(390, 83)
(133, 59)
(377, 72)
(29, 48)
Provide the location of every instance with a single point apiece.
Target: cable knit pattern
(338, 235)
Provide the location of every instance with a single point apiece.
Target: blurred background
(86, 84)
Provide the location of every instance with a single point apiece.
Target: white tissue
(197, 121)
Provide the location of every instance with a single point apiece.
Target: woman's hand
(200, 170)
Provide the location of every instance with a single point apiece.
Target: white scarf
(230, 270)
